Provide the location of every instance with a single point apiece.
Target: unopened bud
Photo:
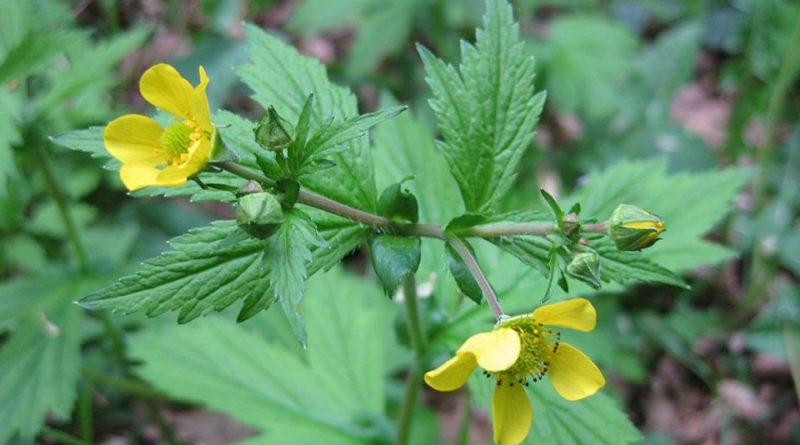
(259, 214)
(632, 228)
(586, 267)
(273, 132)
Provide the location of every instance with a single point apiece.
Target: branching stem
(381, 224)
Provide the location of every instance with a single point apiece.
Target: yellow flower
(519, 348)
(153, 155)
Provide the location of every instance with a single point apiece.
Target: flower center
(176, 140)
(537, 346)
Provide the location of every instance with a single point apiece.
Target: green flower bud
(632, 228)
(259, 214)
(273, 132)
(586, 267)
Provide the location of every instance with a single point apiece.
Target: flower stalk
(414, 378)
(472, 264)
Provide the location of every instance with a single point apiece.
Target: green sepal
(463, 277)
(399, 204)
(394, 258)
(586, 267)
(632, 228)
(259, 214)
(273, 132)
(556, 209)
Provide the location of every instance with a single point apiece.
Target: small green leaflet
(394, 258)
(280, 77)
(310, 147)
(332, 136)
(486, 111)
(461, 274)
(202, 274)
(331, 393)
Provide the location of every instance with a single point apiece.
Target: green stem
(114, 336)
(85, 411)
(126, 385)
(414, 377)
(472, 264)
(63, 208)
(62, 437)
(760, 271)
(386, 225)
(415, 331)
(789, 340)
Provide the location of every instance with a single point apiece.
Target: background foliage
(684, 108)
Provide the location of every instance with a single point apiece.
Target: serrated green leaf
(621, 266)
(461, 274)
(39, 366)
(288, 252)
(487, 111)
(35, 51)
(531, 250)
(279, 76)
(384, 30)
(394, 258)
(615, 265)
(201, 274)
(689, 203)
(588, 60)
(326, 395)
(89, 65)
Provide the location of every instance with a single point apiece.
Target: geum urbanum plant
(302, 182)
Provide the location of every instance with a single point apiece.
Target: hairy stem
(472, 264)
(413, 379)
(61, 204)
(386, 225)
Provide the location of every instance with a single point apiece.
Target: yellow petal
(512, 414)
(452, 374)
(577, 313)
(573, 374)
(136, 176)
(496, 351)
(163, 86)
(200, 110)
(134, 138)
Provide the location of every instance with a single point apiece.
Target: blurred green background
(696, 84)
